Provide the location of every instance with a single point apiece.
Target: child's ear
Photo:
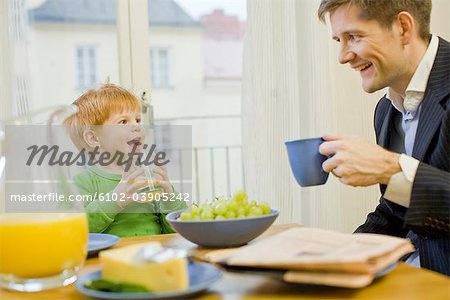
(90, 138)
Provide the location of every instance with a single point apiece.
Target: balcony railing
(216, 171)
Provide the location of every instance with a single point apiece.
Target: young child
(109, 120)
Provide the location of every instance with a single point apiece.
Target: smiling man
(389, 43)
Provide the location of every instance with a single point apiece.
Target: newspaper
(312, 255)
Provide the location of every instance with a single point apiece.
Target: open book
(317, 256)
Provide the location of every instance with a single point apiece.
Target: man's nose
(345, 55)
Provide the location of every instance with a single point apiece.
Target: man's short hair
(385, 11)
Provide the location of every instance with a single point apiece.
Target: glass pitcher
(43, 234)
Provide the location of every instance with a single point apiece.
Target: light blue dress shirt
(410, 120)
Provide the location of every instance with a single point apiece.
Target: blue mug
(306, 161)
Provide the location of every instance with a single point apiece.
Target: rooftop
(161, 13)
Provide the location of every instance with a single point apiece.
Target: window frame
(155, 67)
(133, 45)
(86, 67)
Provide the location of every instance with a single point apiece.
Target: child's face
(121, 132)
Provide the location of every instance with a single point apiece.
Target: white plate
(100, 241)
(201, 277)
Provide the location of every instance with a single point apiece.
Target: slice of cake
(127, 266)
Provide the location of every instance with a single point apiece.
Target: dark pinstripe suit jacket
(429, 211)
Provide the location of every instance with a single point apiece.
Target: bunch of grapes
(220, 209)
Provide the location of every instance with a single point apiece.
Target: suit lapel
(384, 131)
(432, 112)
(429, 120)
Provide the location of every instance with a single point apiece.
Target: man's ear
(407, 26)
(91, 138)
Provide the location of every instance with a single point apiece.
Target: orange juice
(42, 245)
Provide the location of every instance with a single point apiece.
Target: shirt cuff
(400, 185)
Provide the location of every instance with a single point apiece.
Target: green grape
(223, 208)
(255, 212)
(233, 205)
(265, 207)
(195, 209)
(241, 211)
(186, 216)
(240, 196)
(220, 209)
(247, 208)
(230, 214)
(207, 215)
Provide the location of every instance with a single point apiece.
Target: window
(160, 66)
(86, 60)
(193, 45)
(196, 48)
(163, 135)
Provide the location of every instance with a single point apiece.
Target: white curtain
(15, 76)
(294, 88)
(5, 79)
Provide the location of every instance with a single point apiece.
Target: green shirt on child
(135, 219)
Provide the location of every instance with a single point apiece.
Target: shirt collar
(417, 86)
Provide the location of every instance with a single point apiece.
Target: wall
(53, 60)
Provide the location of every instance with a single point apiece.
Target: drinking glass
(43, 243)
(150, 182)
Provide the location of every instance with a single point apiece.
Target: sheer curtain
(294, 88)
(14, 61)
(5, 93)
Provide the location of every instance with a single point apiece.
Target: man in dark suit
(390, 45)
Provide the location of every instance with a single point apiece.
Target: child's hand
(162, 179)
(129, 185)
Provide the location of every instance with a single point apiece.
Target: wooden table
(405, 282)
